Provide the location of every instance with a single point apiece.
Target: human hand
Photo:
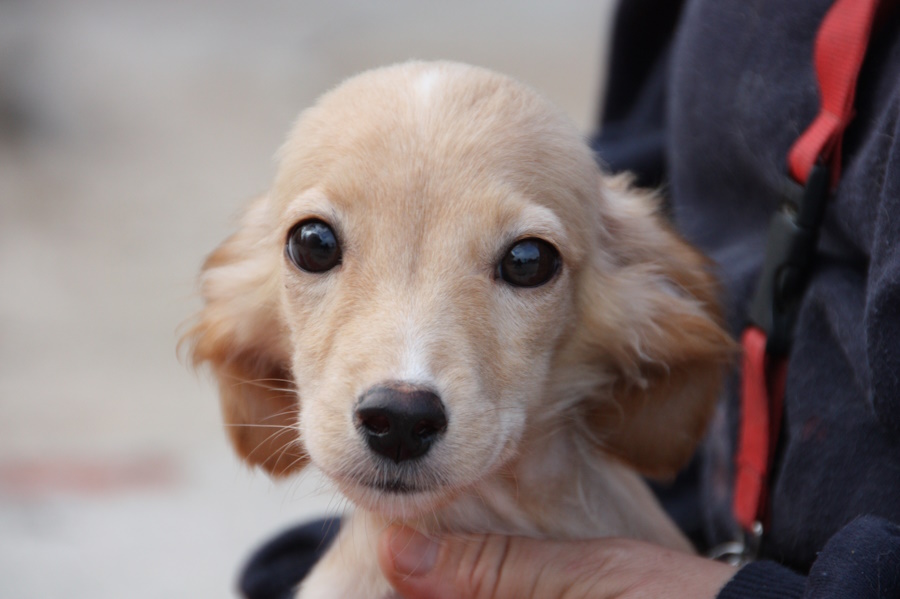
(501, 567)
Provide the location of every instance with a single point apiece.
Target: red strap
(840, 48)
(762, 396)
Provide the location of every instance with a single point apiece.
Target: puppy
(445, 306)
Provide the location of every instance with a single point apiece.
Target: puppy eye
(313, 246)
(529, 263)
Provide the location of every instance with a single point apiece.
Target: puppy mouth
(394, 482)
(394, 486)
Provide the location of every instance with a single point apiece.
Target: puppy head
(439, 272)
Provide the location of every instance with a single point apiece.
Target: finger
(483, 566)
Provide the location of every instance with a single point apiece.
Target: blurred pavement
(130, 135)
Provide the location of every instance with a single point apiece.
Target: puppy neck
(558, 489)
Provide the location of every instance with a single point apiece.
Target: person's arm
(862, 561)
(501, 567)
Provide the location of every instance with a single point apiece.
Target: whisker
(242, 425)
(268, 439)
(272, 380)
(292, 444)
(262, 383)
(293, 410)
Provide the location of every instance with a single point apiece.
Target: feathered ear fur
(650, 313)
(240, 335)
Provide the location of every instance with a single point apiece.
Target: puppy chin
(395, 499)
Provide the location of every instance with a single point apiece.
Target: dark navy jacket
(710, 111)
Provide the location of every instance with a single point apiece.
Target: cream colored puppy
(445, 305)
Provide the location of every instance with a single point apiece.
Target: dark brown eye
(529, 263)
(313, 246)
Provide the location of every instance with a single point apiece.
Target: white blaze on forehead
(425, 84)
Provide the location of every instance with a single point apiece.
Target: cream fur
(555, 396)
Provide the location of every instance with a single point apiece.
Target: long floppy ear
(239, 333)
(650, 313)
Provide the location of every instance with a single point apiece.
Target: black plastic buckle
(790, 250)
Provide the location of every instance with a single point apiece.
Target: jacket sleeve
(862, 561)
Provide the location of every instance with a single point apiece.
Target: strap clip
(742, 551)
(790, 249)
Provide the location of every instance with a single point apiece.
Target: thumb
(483, 566)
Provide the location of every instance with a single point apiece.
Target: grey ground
(130, 134)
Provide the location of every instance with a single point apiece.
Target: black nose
(399, 421)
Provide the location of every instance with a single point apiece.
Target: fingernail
(413, 554)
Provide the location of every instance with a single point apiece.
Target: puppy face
(420, 304)
(439, 274)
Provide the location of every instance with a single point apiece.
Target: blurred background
(131, 132)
